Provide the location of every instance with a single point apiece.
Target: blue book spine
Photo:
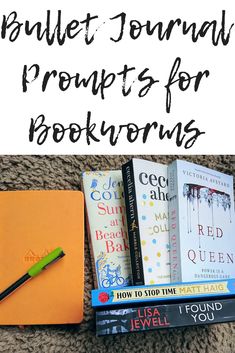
(167, 292)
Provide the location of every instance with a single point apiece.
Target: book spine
(164, 316)
(174, 231)
(133, 223)
(156, 293)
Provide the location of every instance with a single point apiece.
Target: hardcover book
(146, 197)
(202, 225)
(162, 293)
(156, 317)
(107, 229)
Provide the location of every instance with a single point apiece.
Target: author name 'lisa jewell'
(148, 318)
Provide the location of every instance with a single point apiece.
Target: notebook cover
(33, 223)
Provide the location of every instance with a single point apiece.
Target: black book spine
(156, 317)
(133, 223)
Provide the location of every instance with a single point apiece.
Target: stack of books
(163, 246)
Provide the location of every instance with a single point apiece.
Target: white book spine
(174, 224)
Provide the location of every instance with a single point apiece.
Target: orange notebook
(32, 224)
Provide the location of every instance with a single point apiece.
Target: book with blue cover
(202, 223)
(162, 292)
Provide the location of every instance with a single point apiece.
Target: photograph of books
(180, 220)
(159, 241)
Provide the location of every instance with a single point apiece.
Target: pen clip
(49, 259)
(62, 254)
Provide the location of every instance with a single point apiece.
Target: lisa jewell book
(202, 225)
(155, 317)
(146, 196)
(106, 216)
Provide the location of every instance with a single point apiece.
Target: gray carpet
(63, 172)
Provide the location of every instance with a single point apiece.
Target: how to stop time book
(154, 317)
(143, 295)
(146, 197)
(106, 222)
(202, 225)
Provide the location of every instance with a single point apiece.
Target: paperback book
(162, 293)
(146, 197)
(202, 225)
(106, 216)
(164, 316)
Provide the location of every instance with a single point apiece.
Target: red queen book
(202, 225)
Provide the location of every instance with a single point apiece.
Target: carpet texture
(63, 172)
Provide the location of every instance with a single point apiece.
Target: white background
(212, 107)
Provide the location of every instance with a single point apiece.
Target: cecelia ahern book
(202, 225)
(146, 196)
(107, 229)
